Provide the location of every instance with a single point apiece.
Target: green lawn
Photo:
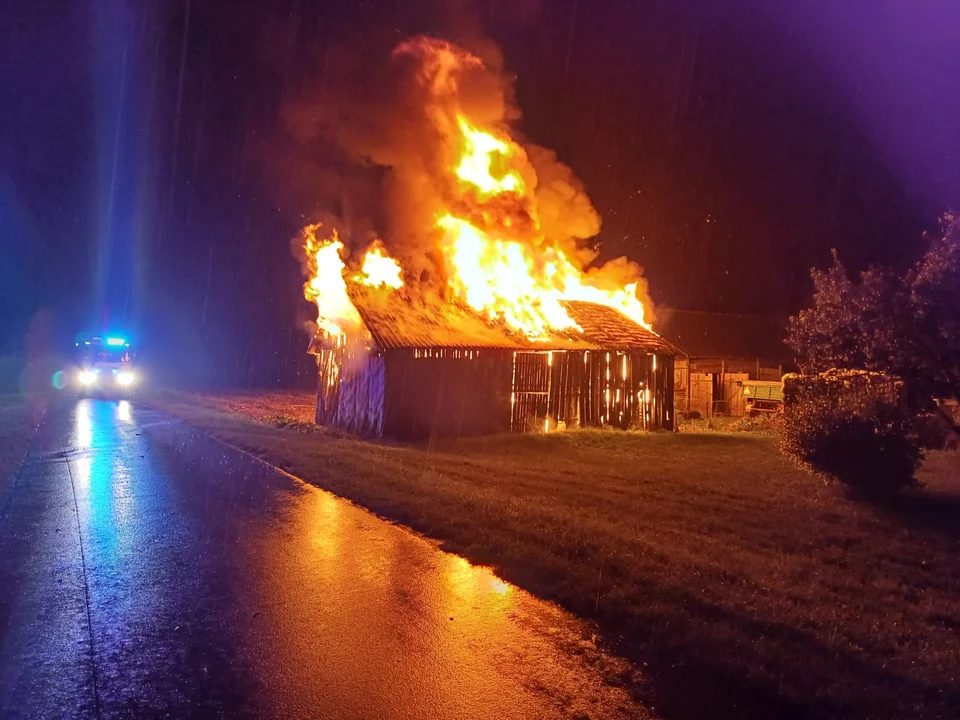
(17, 425)
(738, 584)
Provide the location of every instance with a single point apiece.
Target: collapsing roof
(397, 322)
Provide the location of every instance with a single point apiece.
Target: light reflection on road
(102, 477)
(158, 634)
(83, 432)
(320, 604)
(106, 502)
(379, 612)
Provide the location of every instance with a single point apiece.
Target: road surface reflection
(218, 582)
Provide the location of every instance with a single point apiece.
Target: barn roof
(609, 328)
(723, 336)
(396, 322)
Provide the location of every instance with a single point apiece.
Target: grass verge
(739, 585)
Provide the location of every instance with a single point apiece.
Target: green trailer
(762, 396)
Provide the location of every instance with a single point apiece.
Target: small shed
(441, 370)
(722, 351)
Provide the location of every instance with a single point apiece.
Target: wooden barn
(722, 352)
(439, 370)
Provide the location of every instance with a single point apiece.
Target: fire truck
(104, 365)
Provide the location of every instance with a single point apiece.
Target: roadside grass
(740, 585)
(17, 424)
(763, 424)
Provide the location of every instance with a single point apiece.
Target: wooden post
(318, 416)
(723, 379)
(546, 418)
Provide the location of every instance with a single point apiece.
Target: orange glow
(337, 316)
(493, 252)
(505, 269)
(380, 270)
(482, 153)
(326, 286)
(497, 278)
(499, 586)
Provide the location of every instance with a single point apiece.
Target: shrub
(933, 430)
(866, 441)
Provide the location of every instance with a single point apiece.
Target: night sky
(143, 166)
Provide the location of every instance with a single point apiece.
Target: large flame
(379, 269)
(488, 232)
(337, 316)
(482, 151)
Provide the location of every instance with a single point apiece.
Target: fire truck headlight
(87, 377)
(125, 378)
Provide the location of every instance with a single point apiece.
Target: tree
(934, 301)
(905, 325)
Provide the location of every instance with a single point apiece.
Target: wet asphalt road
(147, 570)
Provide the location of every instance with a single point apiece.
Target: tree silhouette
(904, 325)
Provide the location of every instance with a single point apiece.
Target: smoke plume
(371, 137)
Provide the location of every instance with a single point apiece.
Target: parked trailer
(762, 396)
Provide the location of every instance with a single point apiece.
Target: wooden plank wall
(731, 396)
(592, 389)
(360, 402)
(328, 385)
(711, 384)
(666, 413)
(530, 397)
(722, 365)
(446, 393)
(419, 394)
(613, 389)
(350, 391)
(701, 393)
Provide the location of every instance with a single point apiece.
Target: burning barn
(431, 372)
(483, 309)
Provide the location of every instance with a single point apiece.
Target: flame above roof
(397, 322)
